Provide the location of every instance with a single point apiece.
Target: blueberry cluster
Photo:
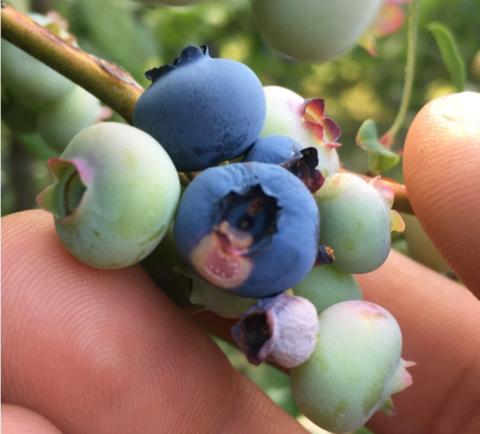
(266, 231)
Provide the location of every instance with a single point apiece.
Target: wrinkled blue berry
(282, 329)
(250, 228)
(202, 110)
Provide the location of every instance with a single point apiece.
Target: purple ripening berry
(282, 329)
(249, 228)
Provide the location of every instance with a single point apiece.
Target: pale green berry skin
(354, 368)
(218, 300)
(32, 83)
(326, 285)
(355, 223)
(313, 30)
(59, 122)
(131, 193)
(284, 118)
(166, 268)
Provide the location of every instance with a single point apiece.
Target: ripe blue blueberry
(274, 149)
(282, 329)
(282, 150)
(250, 228)
(202, 110)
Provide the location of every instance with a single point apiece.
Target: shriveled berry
(354, 369)
(304, 121)
(313, 30)
(326, 285)
(202, 110)
(281, 329)
(114, 195)
(355, 222)
(249, 228)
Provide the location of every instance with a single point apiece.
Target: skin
(103, 351)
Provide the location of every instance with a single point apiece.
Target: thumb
(442, 176)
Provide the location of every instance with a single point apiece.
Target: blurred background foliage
(141, 34)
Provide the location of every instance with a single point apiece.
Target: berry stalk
(107, 81)
(389, 137)
(110, 83)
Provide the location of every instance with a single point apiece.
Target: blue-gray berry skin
(249, 228)
(202, 110)
(274, 149)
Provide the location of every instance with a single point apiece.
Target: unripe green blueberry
(314, 30)
(355, 222)
(326, 285)
(217, 300)
(355, 367)
(288, 115)
(59, 122)
(165, 267)
(114, 195)
(32, 83)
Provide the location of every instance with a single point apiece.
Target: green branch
(389, 137)
(105, 80)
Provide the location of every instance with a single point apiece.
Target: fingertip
(442, 176)
(21, 420)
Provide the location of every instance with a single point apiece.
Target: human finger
(21, 420)
(442, 177)
(105, 351)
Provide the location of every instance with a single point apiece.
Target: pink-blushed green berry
(114, 195)
(354, 369)
(281, 329)
(316, 30)
(355, 222)
(326, 285)
(217, 300)
(304, 121)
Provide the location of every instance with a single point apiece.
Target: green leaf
(450, 54)
(109, 29)
(380, 158)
